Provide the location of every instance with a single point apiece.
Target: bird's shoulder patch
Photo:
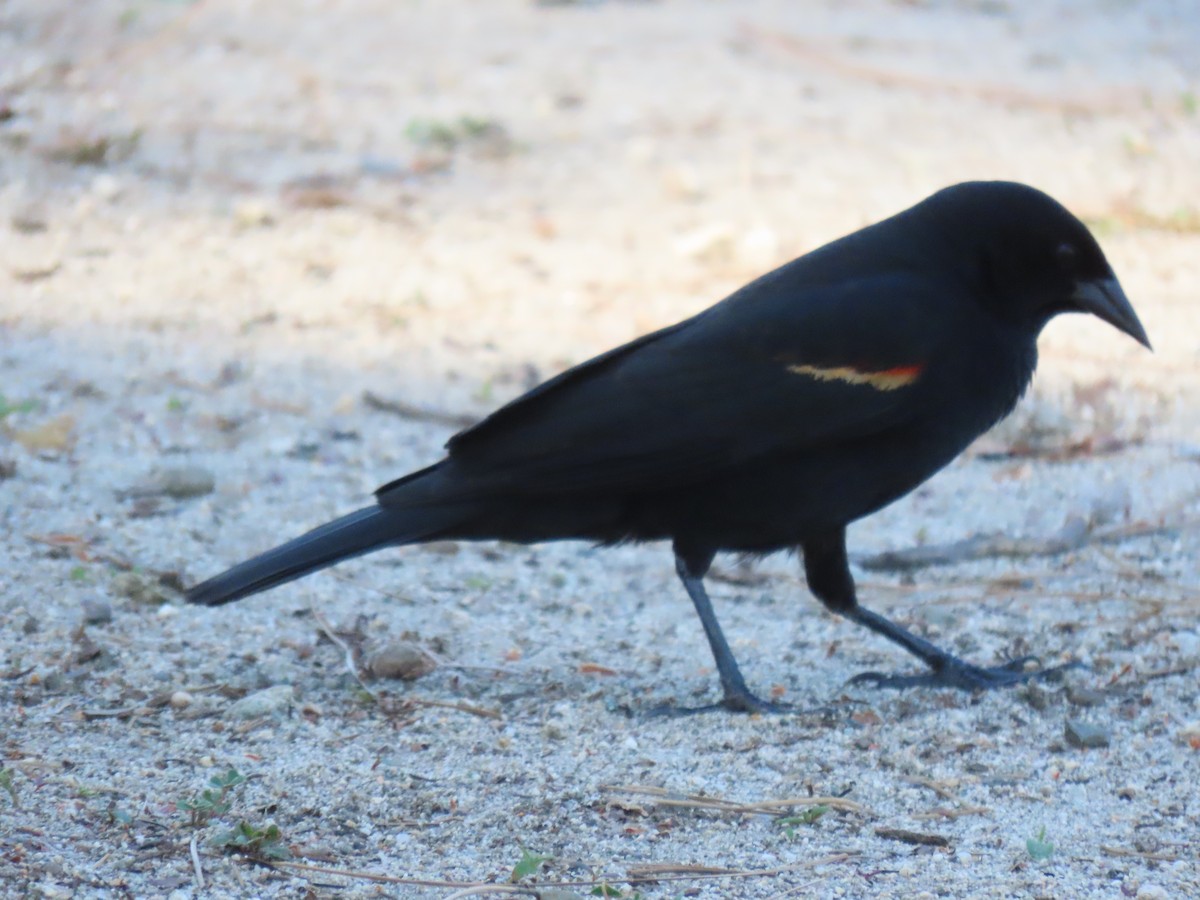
(891, 379)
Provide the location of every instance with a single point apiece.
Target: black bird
(811, 397)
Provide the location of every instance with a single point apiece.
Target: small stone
(709, 243)
(1036, 696)
(1082, 696)
(50, 891)
(54, 681)
(266, 702)
(401, 660)
(52, 436)
(1086, 735)
(1189, 734)
(180, 700)
(553, 731)
(138, 588)
(1152, 892)
(177, 482)
(96, 611)
(1127, 793)
(310, 711)
(252, 214)
(759, 246)
(1186, 642)
(106, 187)
(30, 220)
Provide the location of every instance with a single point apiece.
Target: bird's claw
(955, 673)
(738, 701)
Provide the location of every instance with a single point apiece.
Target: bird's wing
(778, 367)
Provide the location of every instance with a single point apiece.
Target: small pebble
(252, 214)
(1152, 892)
(33, 220)
(1083, 696)
(96, 611)
(266, 702)
(181, 700)
(139, 588)
(50, 891)
(1190, 734)
(54, 681)
(1186, 642)
(1086, 735)
(402, 660)
(1036, 696)
(177, 482)
(106, 187)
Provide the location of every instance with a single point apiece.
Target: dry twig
(664, 797)
(418, 413)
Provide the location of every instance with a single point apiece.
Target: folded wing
(778, 367)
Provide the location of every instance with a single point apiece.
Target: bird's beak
(1104, 298)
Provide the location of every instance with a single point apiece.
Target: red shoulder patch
(881, 380)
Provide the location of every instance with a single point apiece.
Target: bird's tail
(352, 535)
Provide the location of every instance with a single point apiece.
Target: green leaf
(21, 406)
(528, 865)
(245, 838)
(6, 782)
(120, 816)
(1039, 848)
(230, 779)
(808, 817)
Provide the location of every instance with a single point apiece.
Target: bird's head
(1030, 256)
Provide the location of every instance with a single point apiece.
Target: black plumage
(813, 396)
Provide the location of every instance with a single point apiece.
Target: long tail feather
(352, 535)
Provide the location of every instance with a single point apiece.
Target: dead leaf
(54, 436)
(595, 669)
(79, 547)
(37, 273)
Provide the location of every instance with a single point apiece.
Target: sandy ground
(224, 222)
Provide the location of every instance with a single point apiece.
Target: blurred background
(463, 197)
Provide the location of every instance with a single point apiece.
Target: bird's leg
(692, 567)
(829, 578)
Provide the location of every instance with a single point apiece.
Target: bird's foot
(744, 701)
(953, 672)
(740, 701)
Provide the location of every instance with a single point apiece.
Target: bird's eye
(1065, 256)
